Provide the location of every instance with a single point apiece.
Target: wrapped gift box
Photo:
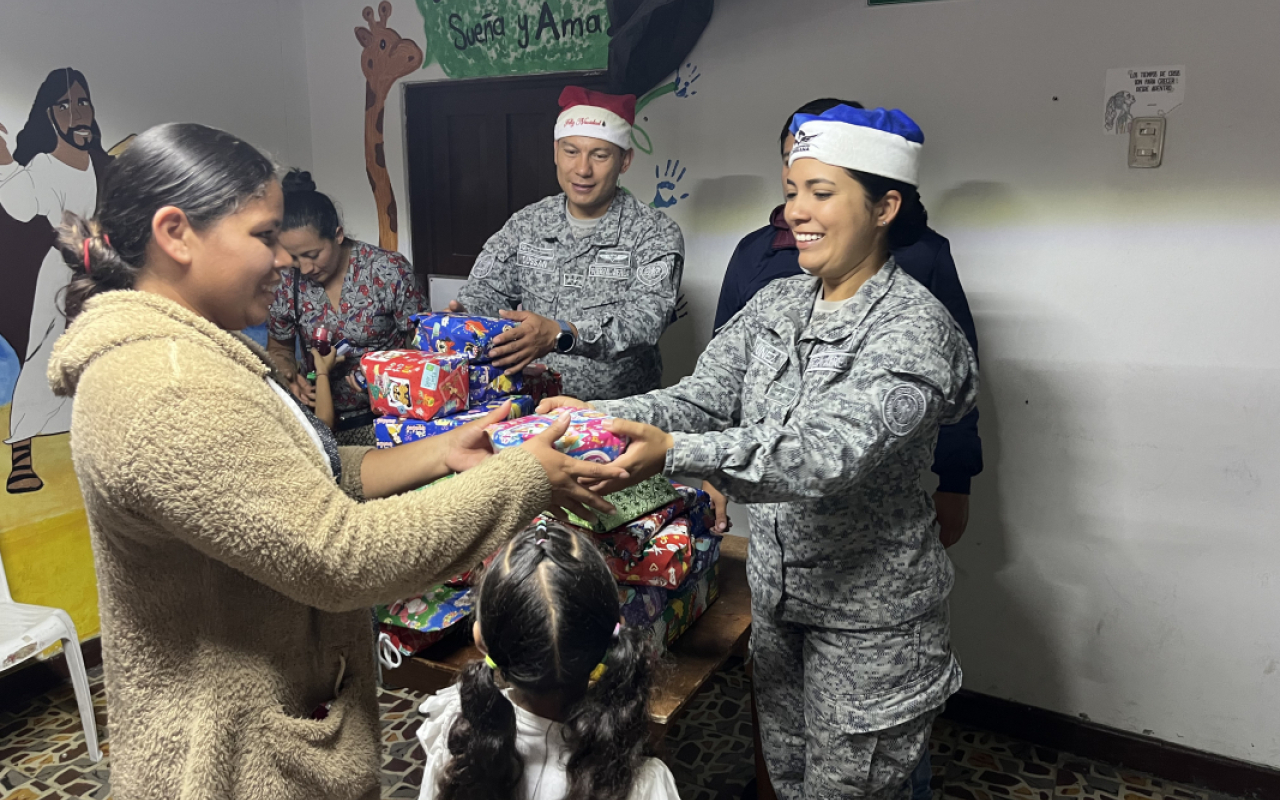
(633, 503)
(431, 615)
(588, 437)
(392, 431)
(665, 561)
(489, 382)
(409, 642)
(450, 334)
(642, 605)
(629, 538)
(684, 608)
(407, 383)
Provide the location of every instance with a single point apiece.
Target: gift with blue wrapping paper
(489, 382)
(393, 431)
(455, 334)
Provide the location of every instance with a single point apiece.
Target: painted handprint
(667, 180)
(685, 78)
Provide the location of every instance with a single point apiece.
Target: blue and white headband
(880, 141)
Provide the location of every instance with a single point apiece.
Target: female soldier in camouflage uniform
(819, 404)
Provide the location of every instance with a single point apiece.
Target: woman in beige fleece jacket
(236, 563)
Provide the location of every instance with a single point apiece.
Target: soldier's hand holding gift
(518, 347)
(645, 457)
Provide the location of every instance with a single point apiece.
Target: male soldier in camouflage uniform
(821, 415)
(596, 271)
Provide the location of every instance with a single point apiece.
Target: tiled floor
(42, 755)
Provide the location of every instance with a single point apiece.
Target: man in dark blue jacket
(770, 253)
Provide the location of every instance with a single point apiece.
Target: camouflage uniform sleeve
(708, 400)
(854, 411)
(638, 320)
(495, 278)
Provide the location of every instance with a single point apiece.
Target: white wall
(1121, 562)
(233, 64)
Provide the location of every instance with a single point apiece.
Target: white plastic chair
(26, 631)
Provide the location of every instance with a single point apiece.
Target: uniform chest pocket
(767, 382)
(539, 271)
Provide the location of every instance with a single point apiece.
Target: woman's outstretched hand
(570, 476)
(470, 443)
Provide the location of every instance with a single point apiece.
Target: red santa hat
(596, 114)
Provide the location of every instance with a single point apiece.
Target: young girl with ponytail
(559, 706)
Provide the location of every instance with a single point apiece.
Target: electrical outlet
(1146, 142)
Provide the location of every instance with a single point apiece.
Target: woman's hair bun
(298, 181)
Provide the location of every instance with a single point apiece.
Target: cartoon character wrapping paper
(409, 383)
(629, 539)
(392, 431)
(420, 621)
(489, 382)
(455, 334)
(644, 605)
(684, 608)
(588, 437)
(667, 560)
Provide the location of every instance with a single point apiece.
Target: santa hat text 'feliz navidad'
(596, 114)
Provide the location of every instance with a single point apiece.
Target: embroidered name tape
(830, 362)
(612, 273)
(536, 257)
(612, 264)
(763, 351)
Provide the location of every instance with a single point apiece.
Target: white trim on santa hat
(859, 148)
(596, 122)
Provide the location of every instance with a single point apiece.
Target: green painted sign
(515, 37)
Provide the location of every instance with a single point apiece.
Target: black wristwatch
(566, 340)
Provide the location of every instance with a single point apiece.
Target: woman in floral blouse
(357, 291)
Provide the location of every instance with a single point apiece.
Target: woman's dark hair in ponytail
(912, 219)
(207, 173)
(548, 613)
(304, 207)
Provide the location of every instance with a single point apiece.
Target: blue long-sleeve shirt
(770, 253)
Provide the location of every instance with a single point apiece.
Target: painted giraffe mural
(386, 58)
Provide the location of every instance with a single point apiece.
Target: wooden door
(478, 151)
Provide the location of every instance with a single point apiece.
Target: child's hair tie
(617, 629)
(488, 661)
(599, 671)
(87, 269)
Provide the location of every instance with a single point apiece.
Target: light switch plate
(1146, 142)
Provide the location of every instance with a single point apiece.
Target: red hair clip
(87, 270)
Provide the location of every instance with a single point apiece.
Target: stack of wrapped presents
(659, 545)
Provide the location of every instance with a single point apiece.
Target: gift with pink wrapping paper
(588, 437)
